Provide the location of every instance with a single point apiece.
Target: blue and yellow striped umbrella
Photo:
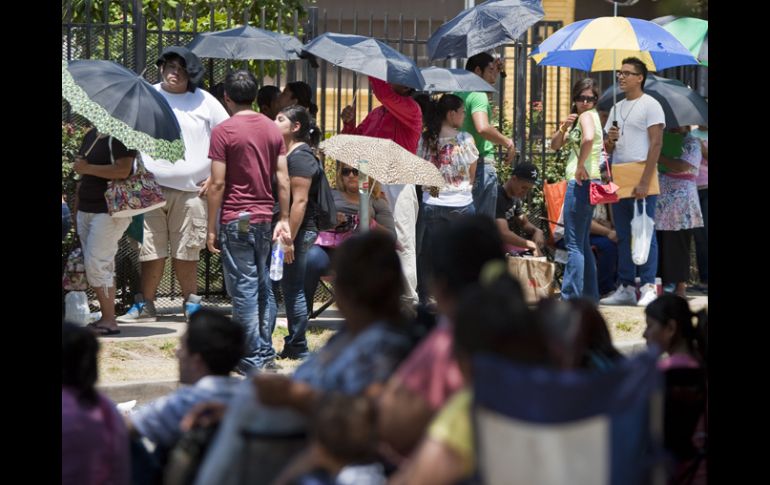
(592, 44)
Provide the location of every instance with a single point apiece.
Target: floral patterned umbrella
(122, 104)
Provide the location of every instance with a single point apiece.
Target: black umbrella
(122, 104)
(438, 79)
(681, 105)
(366, 56)
(484, 27)
(245, 43)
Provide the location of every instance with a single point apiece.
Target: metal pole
(614, 77)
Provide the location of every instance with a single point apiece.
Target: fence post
(140, 37)
(311, 32)
(520, 98)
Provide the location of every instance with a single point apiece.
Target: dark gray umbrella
(484, 27)
(438, 79)
(366, 56)
(245, 43)
(681, 105)
(121, 103)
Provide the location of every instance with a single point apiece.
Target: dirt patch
(155, 359)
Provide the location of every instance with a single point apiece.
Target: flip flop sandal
(102, 331)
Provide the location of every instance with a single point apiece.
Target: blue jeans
(606, 263)
(702, 237)
(580, 272)
(485, 187)
(432, 218)
(293, 289)
(317, 265)
(627, 270)
(244, 258)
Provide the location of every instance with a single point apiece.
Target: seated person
(357, 360)
(510, 207)
(342, 445)
(208, 352)
(94, 441)
(346, 200)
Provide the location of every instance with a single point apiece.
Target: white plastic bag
(76, 308)
(642, 232)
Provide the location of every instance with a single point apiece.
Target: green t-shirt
(474, 103)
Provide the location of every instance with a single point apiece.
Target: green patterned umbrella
(122, 104)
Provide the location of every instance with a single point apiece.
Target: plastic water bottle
(276, 261)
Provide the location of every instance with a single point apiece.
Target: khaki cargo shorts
(180, 223)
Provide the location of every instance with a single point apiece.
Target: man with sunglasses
(635, 134)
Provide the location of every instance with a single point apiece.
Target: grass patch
(624, 326)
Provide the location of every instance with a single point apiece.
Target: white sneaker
(648, 294)
(624, 295)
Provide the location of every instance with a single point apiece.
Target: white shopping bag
(76, 307)
(642, 232)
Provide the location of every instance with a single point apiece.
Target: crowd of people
(389, 396)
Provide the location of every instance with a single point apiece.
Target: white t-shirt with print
(634, 117)
(198, 113)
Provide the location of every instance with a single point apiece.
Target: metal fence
(132, 43)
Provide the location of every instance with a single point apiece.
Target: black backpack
(326, 209)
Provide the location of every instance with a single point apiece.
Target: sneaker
(140, 312)
(624, 295)
(192, 305)
(669, 288)
(649, 293)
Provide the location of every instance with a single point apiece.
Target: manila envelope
(627, 175)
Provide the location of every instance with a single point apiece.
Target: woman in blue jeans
(581, 135)
(299, 133)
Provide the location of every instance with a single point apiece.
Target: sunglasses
(585, 99)
(347, 171)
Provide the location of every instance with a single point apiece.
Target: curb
(142, 391)
(631, 347)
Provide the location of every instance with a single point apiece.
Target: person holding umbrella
(478, 116)
(101, 158)
(182, 222)
(635, 133)
(398, 119)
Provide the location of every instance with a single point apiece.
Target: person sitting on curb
(510, 206)
(207, 353)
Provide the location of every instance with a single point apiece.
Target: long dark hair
(79, 348)
(673, 307)
(580, 86)
(433, 115)
(303, 94)
(308, 131)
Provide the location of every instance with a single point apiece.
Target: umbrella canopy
(245, 43)
(438, 79)
(601, 44)
(122, 104)
(366, 56)
(388, 162)
(681, 105)
(484, 27)
(691, 32)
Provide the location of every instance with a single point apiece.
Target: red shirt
(250, 146)
(398, 119)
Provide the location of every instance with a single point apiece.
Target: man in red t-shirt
(246, 151)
